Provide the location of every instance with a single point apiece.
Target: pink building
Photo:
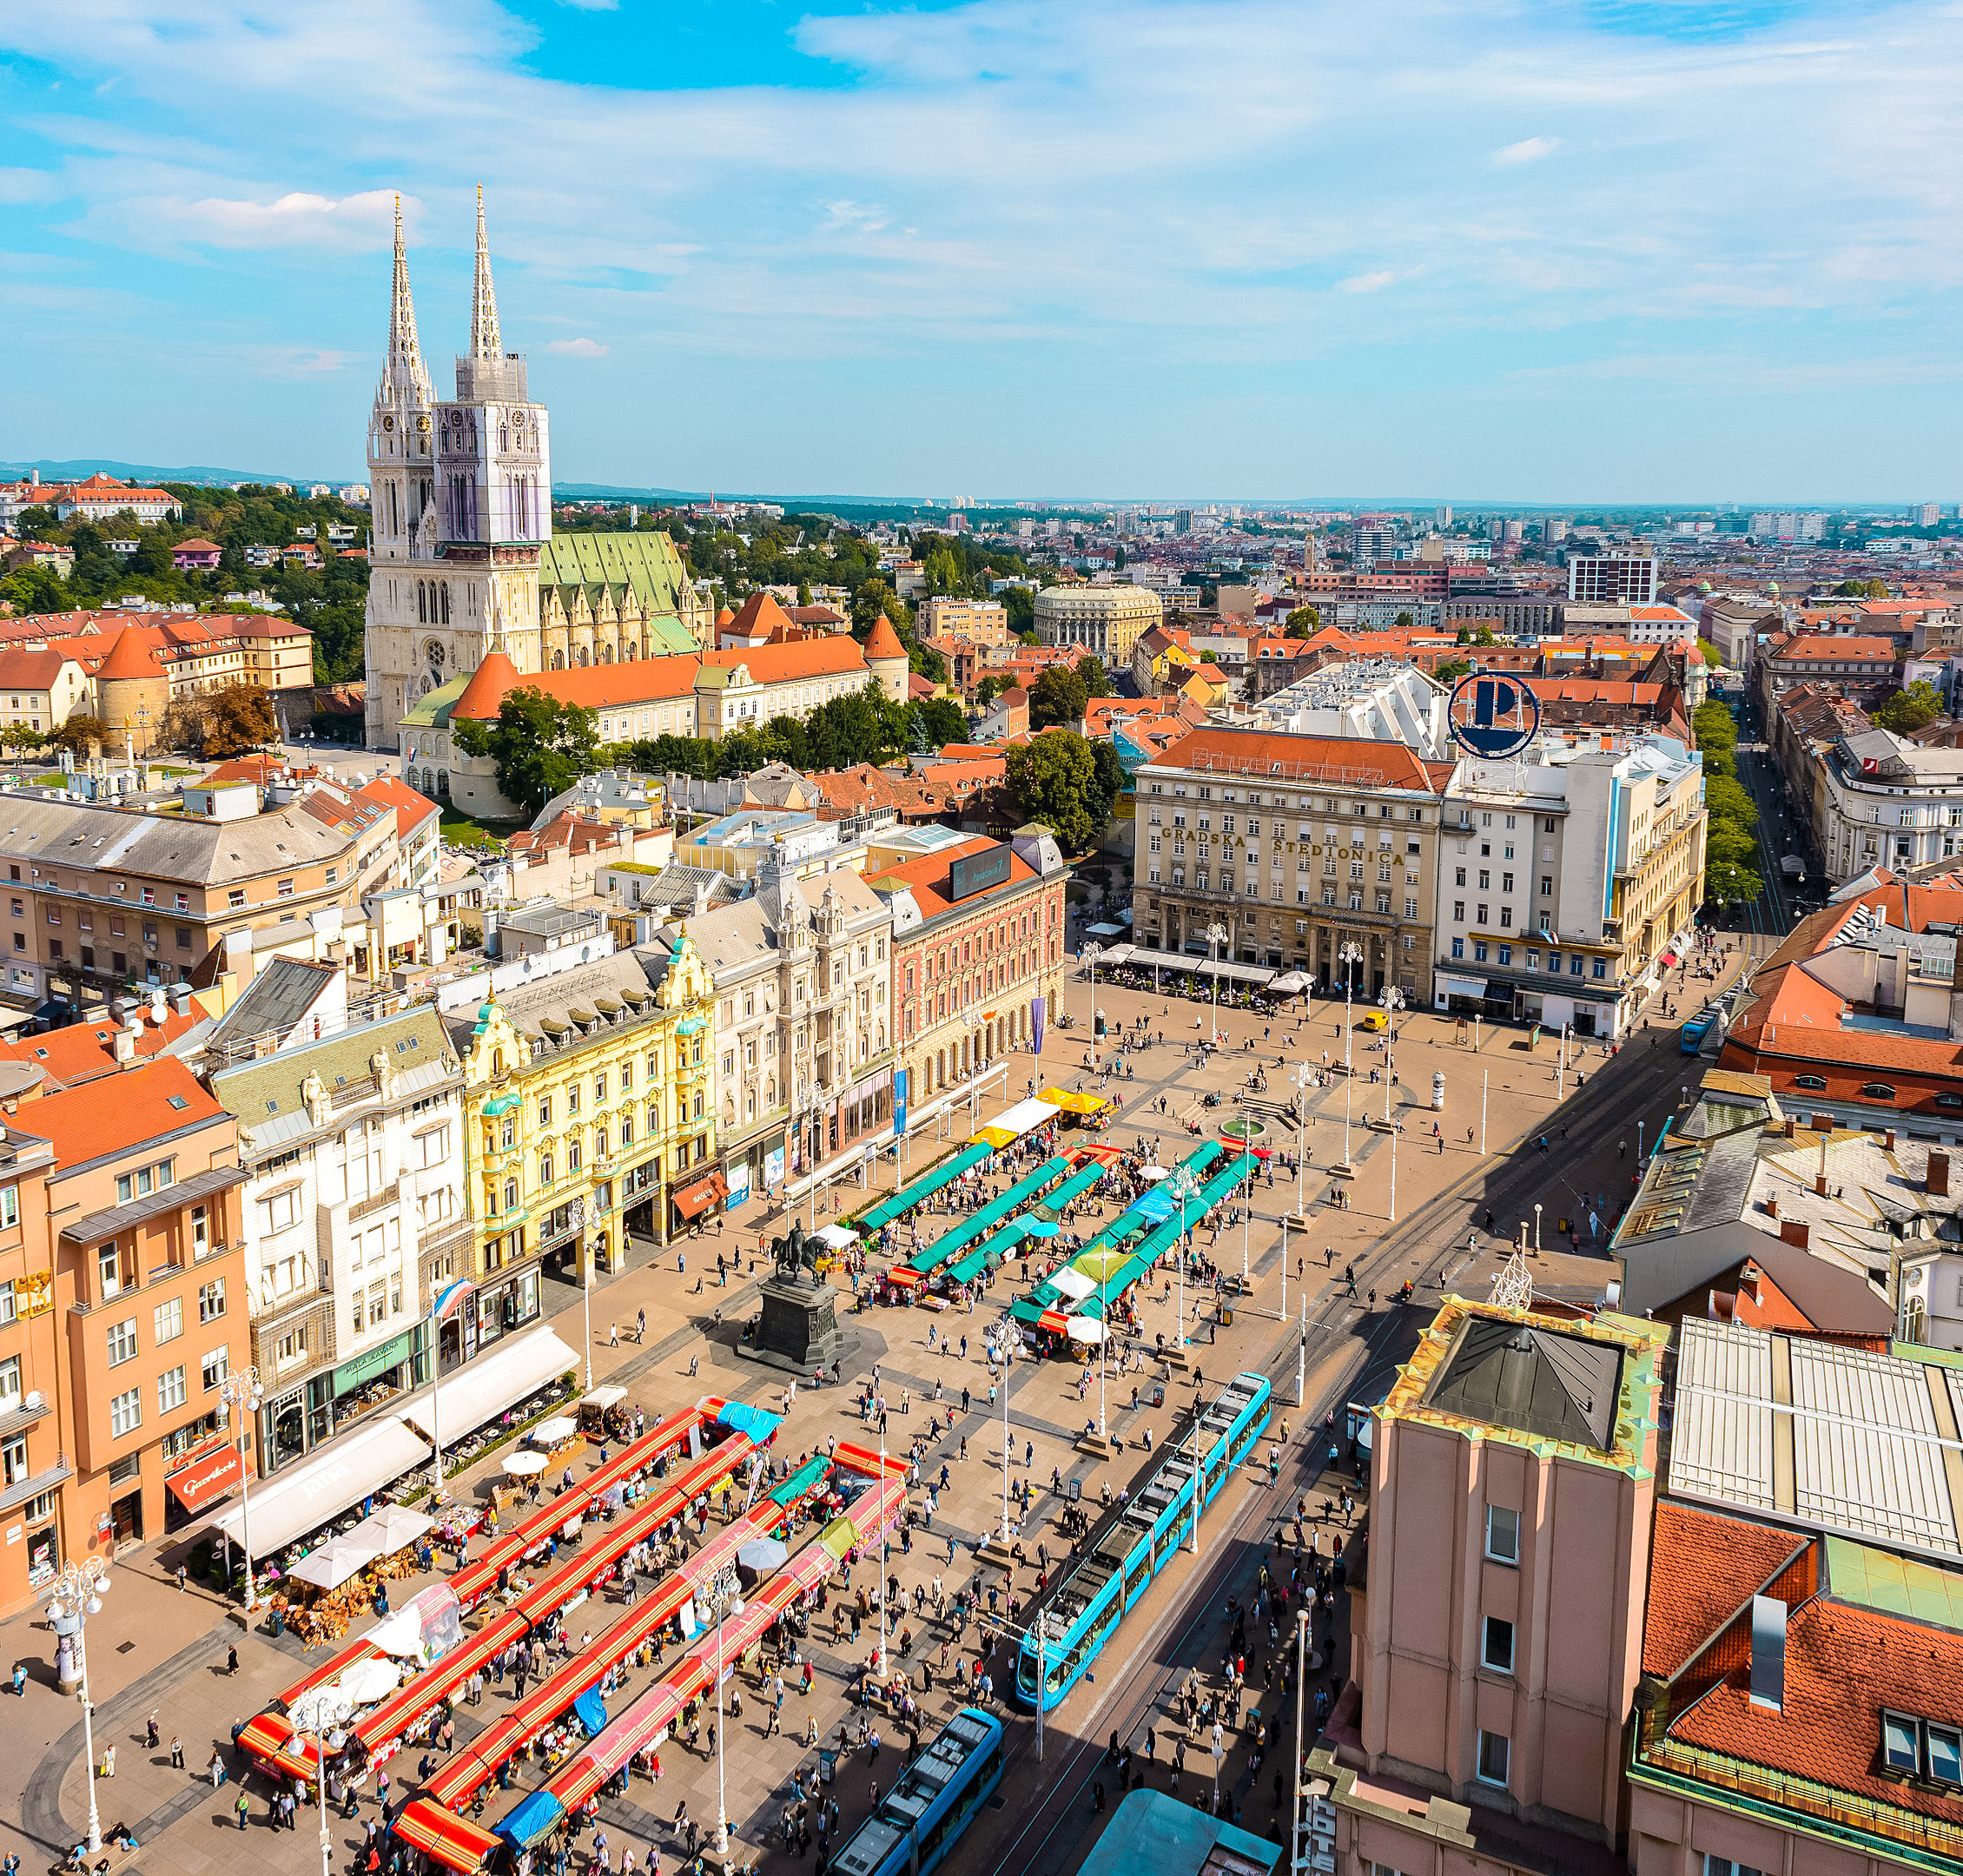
(195, 555)
(1497, 1640)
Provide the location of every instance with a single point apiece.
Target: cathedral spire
(404, 350)
(484, 342)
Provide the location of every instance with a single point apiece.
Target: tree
(1734, 885)
(19, 737)
(238, 719)
(79, 733)
(1911, 709)
(1304, 622)
(1485, 635)
(1405, 621)
(1060, 780)
(38, 523)
(1452, 670)
(1710, 654)
(938, 721)
(1714, 727)
(1058, 697)
(1726, 800)
(1097, 682)
(988, 690)
(541, 747)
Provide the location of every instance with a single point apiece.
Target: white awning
(603, 1397)
(303, 1498)
(483, 1389)
(1293, 983)
(1024, 1118)
(1072, 1283)
(1472, 986)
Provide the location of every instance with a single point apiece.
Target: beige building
(40, 690)
(1298, 848)
(1103, 620)
(982, 622)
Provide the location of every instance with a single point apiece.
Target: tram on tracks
(932, 1802)
(1082, 1608)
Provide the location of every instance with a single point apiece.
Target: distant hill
(85, 466)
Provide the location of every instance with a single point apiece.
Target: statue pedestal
(799, 1330)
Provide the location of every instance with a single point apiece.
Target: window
(211, 1300)
(278, 1210)
(1495, 1752)
(110, 1272)
(170, 1391)
(1717, 1866)
(235, 899)
(13, 1460)
(11, 1385)
(169, 1320)
(122, 1342)
(126, 1413)
(1945, 1752)
(213, 1368)
(1809, 1081)
(1502, 1534)
(1547, 885)
(1458, 947)
(1877, 1091)
(142, 1182)
(10, 1207)
(1600, 969)
(1495, 1650)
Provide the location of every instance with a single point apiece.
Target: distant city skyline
(1618, 248)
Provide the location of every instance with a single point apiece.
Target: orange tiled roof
(930, 880)
(82, 1126)
(1829, 645)
(827, 656)
(84, 1050)
(590, 686)
(1371, 763)
(883, 642)
(412, 809)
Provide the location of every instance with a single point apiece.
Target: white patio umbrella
(1084, 1329)
(334, 1561)
(523, 1464)
(550, 1432)
(369, 1680)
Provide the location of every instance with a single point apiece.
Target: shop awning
(455, 1842)
(1290, 983)
(1471, 987)
(482, 1390)
(1071, 1102)
(1054, 1320)
(1224, 968)
(207, 1478)
(303, 1498)
(692, 1201)
(603, 1397)
(1024, 1118)
(1668, 958)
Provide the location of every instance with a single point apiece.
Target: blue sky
(1602, 250)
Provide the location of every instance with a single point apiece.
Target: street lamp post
(1350, 955)
(1217, 935)
(75, 1595)
(320, 1792)
(725, 1590)
(1181, 1187)
(1092, 952)
(238, 1396)
(1393, 1002)
(1008, 1355)
(578, 1212)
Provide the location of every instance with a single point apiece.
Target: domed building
(133, 690)
(886, 657)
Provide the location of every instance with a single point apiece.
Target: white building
(1786, 525)
(1565, 877)
(1886, 802)
(1381, 699)
(353, 1204)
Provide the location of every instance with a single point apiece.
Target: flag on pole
(452, 1300)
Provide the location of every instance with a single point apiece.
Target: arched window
(1877, 1091)
(422, 605)
(443, 592)
(545, 1169)
(1808, 1081)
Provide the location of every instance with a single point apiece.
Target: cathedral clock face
(388, 423)
(422, 423)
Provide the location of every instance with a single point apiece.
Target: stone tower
(461, 495)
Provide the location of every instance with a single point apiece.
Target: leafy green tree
(1485, 635)
(1405, 621)
(1304, 622)
(79, 733)
(1058, 697)
(1714, 727)
(1452, 670)
(1726, 799)
(1734, 885)
(939, 721)
(1710, 654)
(1911, 709)
(1097, 681)
(541, 747)
(38, 523)
(1019, 606)
(988, 690)
(1055, 779)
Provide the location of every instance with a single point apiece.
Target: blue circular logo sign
(1492, 715)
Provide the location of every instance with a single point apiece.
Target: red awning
(210, 1476)
(1054, 1321)
(1668, 958)
(455, 1842)
(268, 1740)
(902, 1279)
(692, 1200)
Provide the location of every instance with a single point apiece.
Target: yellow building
(589, 1123)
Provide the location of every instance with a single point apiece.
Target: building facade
(1611, 579)
(1885, 801)
(978, 955)
(1564, 880)
(804, 1039)
(1105, 621)
(354, 1219)
(588, 1121)
(1300, 848)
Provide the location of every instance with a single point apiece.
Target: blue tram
(1082, 1607)
(933, 1801)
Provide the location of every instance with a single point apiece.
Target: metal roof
(1820, 1436)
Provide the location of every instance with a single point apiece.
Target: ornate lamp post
(76, 1594)
(1092, 952)
(239, 1397)
(1392, 1000)
(1181, 1188)
(578, 1213)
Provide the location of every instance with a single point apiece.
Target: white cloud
(29, 186)
(578, 348)
(1529, 150)
(298, 219)
(1366, 282)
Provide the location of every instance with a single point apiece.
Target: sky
(1590, 252)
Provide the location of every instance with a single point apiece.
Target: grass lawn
(462, 829)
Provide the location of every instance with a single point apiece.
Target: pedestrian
(216, 1769)
(232, 1660)
(242, 1807)
(20, 1681)
(152, 1737)
(180, 1579)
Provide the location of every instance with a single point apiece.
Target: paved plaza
(156, 1650)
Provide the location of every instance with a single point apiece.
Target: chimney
(1792, 1126)
(1888, 1141)
(1820, 1123)
(1768, 1653)
(181, 999)
(125, 1048)
(1772, 1205)
(1793, 1231)
(1937, 1182)
(1749, 1278)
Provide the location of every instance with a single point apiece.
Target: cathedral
(462, 558)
